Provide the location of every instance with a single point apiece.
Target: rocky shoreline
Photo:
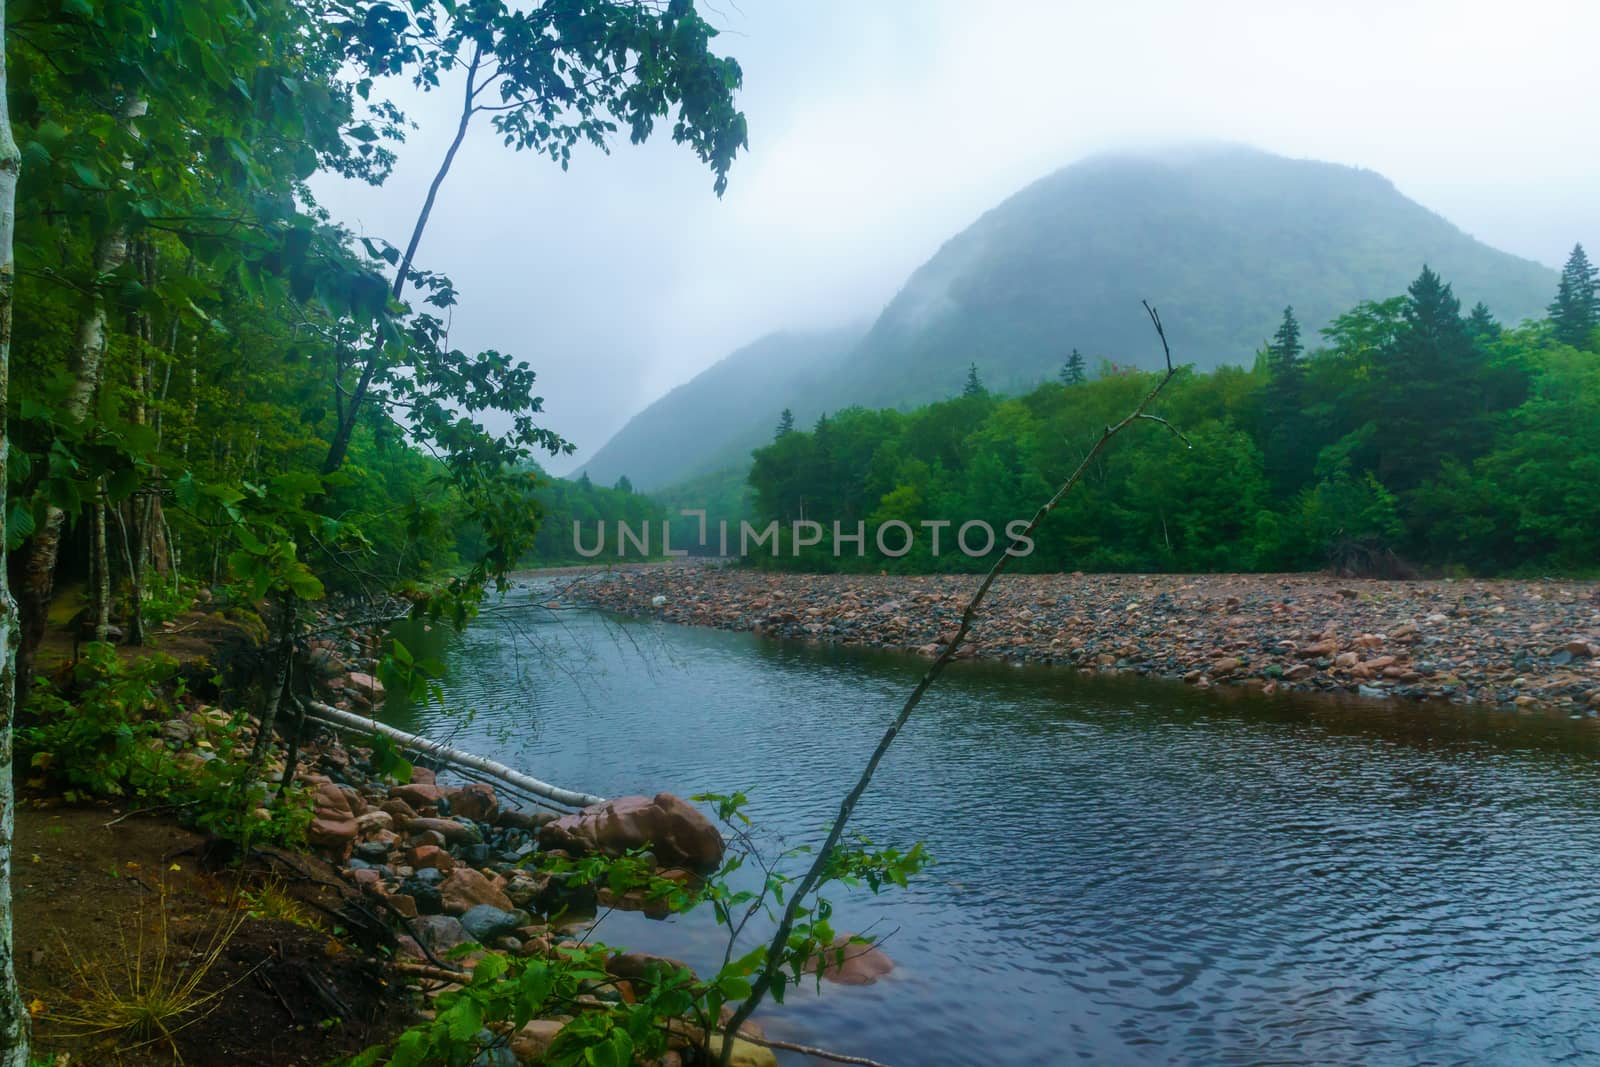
(1514, 644)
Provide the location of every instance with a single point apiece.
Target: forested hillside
(712, 422)
(1219, 237)
(1414, 437)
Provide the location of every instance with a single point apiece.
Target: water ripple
(1129, 872)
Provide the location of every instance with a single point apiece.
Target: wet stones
(1179, 626)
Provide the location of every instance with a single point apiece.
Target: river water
(1128, 871)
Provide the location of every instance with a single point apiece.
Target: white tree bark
(14, 1028)
(418, 743)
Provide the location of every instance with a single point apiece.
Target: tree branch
(772, 965)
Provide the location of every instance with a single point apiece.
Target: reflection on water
(1128, 871)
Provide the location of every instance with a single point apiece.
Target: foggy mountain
(713, 421)
(1220, 238)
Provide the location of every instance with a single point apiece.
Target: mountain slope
(714, 420)
(1219, 238)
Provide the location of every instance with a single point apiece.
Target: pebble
(1535, 644)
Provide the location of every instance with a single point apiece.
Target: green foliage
(100, 735)
(504, 992)
(1413, 433)
(93, 736)
(1575, 312)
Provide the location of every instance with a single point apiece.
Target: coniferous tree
(584, 483)
(1431, 379)
(1481, 323)
(624, 485)
(1284, 358)
(1072, 370)
(974, 386)
(1575, 312)
(1286, 457)
(785, 424)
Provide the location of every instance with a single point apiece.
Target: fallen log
(453, 756)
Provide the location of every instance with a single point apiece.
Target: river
(1128, 871)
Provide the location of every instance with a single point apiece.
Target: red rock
(453, 831)
(422, 856)
(476, 802)
(637, 965)
(365, 686)
(672, 828)
(851, 962)
(333, 827)
(464, 889)
(399, 810)
(418, 796)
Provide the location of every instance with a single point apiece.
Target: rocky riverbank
(1515, 644)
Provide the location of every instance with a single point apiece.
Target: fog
(877, 131)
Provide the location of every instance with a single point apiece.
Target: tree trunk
(102, 572)
(340, 445)
(39, 570)
(44, 549)
(288, 623)
(14, 1022)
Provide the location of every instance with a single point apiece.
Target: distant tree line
(1414, 437)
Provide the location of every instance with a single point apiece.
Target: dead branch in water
(771, 967)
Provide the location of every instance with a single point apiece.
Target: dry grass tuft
(155, 992)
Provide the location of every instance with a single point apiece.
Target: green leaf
(304, 584)
(732, 987)
(19, 525)
(465, 1019)
(184, 491)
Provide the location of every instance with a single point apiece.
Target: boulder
(430, 856)
(745, 1053)
(512, 819)
(418, 796)
(333, 827)
(399, 810)
(373, 821)
(486, 923)
(455, 833)
(530, 1043)
(851, 962)
(440, 933)
(476, 802)
(464, 889)
(364, 686)
(672, 828)
(634, 966)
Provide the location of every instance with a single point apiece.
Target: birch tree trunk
(14, 1028)
(89, 347)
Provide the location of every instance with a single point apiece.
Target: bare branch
(771, 967)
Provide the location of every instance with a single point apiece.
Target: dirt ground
(94, 894)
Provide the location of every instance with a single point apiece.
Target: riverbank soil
(100, 899)
(1521, 644)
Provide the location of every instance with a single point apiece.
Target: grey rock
(440, 932)
(485, 923)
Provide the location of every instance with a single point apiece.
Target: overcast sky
(878, 130)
